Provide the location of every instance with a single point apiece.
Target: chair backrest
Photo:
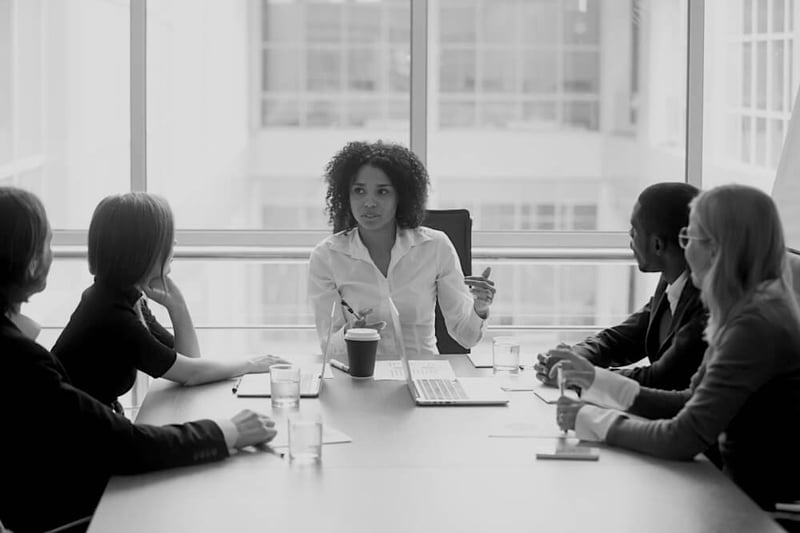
(457, 224)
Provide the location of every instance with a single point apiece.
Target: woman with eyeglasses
(746, 394)
(59, 445)
(112, 334)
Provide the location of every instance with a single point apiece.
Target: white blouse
(423, 264)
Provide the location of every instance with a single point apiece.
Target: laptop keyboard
(441, 389)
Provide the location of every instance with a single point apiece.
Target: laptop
(427, 390)
(311, 380)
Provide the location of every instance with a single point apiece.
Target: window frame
(293, 244)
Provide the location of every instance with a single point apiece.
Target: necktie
(664, 320)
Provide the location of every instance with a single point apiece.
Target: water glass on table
(505, 355)
(305, 438)
(285, 386)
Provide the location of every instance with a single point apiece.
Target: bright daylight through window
(541, 116)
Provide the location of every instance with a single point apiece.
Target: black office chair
(788, 514)
(457, 224)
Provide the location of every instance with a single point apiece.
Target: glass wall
(248, 100)
(545, 118)
(65, 102)
(752, 72)
(64, 119)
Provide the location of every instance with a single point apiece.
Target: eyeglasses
(684, 238)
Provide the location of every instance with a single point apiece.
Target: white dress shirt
(608, 389)
(675, 289)
(423, 264)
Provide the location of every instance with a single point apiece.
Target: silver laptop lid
(326, 353)
(400, 346)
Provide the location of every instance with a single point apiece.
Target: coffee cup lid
(362, 334)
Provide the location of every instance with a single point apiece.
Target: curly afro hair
(403, 168)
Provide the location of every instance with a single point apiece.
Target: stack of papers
(552, 394)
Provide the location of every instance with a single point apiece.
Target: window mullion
(419, 79)
(138, 104)
(694, 93)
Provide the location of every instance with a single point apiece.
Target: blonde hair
(744, 227)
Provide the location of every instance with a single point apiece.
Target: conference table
(410, 468)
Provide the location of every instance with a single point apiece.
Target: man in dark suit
(668, 330)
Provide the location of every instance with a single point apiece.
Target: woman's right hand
(576, 370)
(253, 428)
(262, 363)
(362, 322)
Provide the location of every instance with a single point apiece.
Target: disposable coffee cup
(362, 345)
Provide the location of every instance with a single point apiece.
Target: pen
(560, 378)
(236, 384)
(272, 450)
(335, 363)
(347, 306)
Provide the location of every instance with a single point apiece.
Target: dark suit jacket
(59, 445)
(673, 360)
(745, 395)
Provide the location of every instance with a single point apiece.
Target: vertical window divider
(419, 79)
(694, 93)
(138, 89)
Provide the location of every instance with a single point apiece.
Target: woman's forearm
(195, 371)
(186, 341)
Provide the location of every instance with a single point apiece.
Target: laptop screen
(400, 346)
(326, 353)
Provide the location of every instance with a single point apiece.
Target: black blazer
(59, 445)
(673, 360)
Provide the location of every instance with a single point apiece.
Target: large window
(247, 101)
(544, 118)
(64, 119)
(64, 102)
(751, 77)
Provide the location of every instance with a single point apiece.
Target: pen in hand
(560, 379)
(347, 306)
(236, 384)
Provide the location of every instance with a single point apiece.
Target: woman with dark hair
(112, 333)
(746, 394)
(377, 193)
(60, 445)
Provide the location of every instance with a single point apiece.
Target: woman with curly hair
(746, 394)
(376, 200)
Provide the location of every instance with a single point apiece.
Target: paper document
(484, 359)
(480, 360)
(552, 394)
(330, 435)
(527, 430)
(393, 370)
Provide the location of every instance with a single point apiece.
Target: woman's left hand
(482, 289)
(567, 411)
(164, 292)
